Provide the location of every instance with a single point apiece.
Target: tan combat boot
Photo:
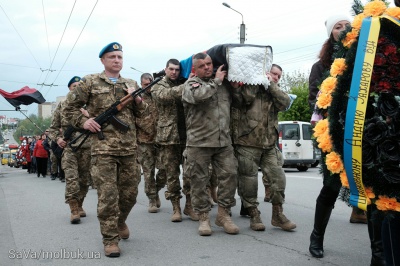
(280, 220)
(82, 212)
(188, 210)
(223, 219)
(255, 219)
(267, 197)
(153, 206)
(205, 226)
(123, 231)
(176, 205)
(112, 250)
(74, 206)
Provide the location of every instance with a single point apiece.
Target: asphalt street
(35, 230)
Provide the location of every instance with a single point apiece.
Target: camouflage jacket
(171, 127)
(57, 123)
(146, 126)
(99, 93)
(258, 115)
(207, 109)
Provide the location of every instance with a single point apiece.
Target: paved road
(35, 225)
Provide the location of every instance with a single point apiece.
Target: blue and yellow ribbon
(356, 108)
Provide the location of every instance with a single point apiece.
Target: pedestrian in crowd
(28, 156)
(147, 152)
(255, 148)
(31, 148)
(41, 155)
(207, 101)
(47, 145)
(114, 157)
(331, 186)
(171, 138)
(75, 165)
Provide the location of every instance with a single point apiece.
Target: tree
(27, 126)
(297, 84)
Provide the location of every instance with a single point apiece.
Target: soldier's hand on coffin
(220, 74)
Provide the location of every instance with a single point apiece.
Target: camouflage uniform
(114, 168)
(255, 143)
(207, 110)
(54, 132)
(147, 152)
(171, 134)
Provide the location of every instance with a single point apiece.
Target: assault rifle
(108, 116)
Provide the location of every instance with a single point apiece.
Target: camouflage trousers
(147, 157)
(266, 180)
(224, 165)
(249, 160)
(213, 177)
(117, 179)
(76, 167)
(171, 159)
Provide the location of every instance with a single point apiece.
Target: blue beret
(74, 79)
(114, 46)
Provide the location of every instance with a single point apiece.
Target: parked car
(296, 144)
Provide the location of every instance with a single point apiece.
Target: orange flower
(374, 8)
(370, 194)
(350, 38)
(343, 179)
(338, 67)
(325, 142)
(334, 162)
(324, 100)
(385, 203)
(357, 22)
(321, 127)
(393, 12)
(329, 84)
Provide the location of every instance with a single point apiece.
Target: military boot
(123, 231)
(205, 226)
(267, 197)
(280, 220)
(255, 219)
(358, 216)
(188, 210)
(82, 212)
(176, 205)
(112, 250)
(73, 205)
(152, 206)
(223, 219)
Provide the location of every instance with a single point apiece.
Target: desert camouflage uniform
(255, 145)
(207, 110)
(114, 168)
(171, 135)
(147, 152)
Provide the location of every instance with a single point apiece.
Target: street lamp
(242, 26)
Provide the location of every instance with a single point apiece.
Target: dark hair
(325, 55)
(277, 66)
(146, 76)
(172, 61)
(200, 56)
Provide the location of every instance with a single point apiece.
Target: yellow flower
(393, 12)
(343, 179)
(325, 142)
(374, 8)
(334, 162)
(338, 67)
(329, 84)
(385, 203)
(324, 100)
(357, 22)
(350, 38)
(321, 127)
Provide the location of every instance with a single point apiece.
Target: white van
(296, 144)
